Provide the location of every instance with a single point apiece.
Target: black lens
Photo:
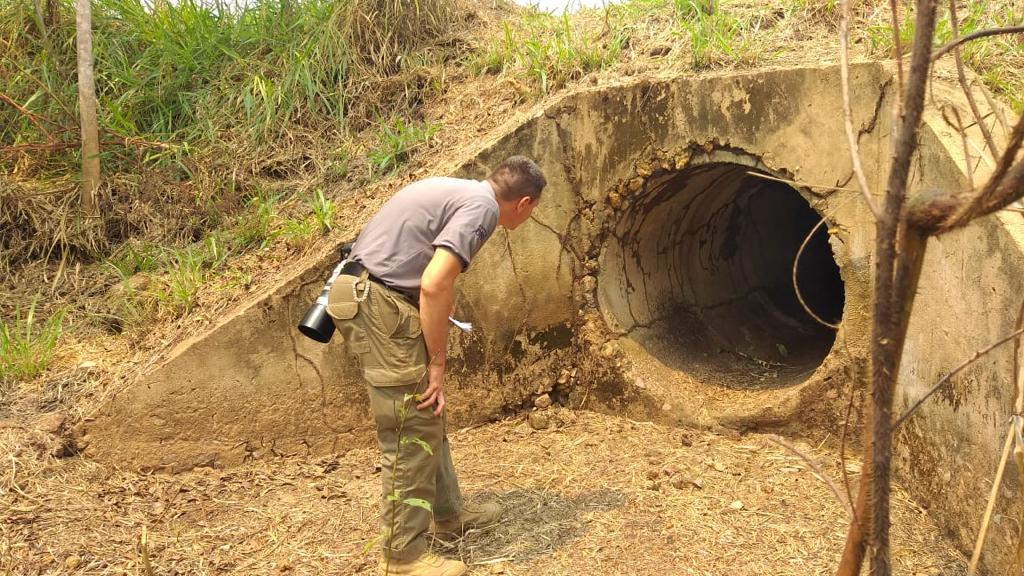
(317, 324)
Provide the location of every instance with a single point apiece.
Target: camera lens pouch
(346, 294)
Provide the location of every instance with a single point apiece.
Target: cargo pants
(382, 329)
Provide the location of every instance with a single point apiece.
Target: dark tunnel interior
(699, 271)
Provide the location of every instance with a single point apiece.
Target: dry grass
(470, 108)
(603, 495)
(580, 496)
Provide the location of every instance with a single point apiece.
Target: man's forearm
(435, 305)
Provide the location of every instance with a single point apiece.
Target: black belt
(353, 268)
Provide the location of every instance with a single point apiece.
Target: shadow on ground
(535, 523)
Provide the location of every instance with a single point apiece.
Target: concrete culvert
(698, 271)
(649, 208)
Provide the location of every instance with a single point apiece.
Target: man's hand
(437, 295)
(435, 390)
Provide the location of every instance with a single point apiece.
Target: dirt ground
(601, 495)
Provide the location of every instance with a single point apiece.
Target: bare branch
(851, 136)
(974, 36)
(854, 380)
(962, 77)
(32, 117)
(942, 382)
(997, 111)
(958, 123)
(972, 569)
(801, 184)
(894, 11)
(897, 259)
(1018, 375)
(938, 213)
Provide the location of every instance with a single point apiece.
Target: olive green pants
(418, 479)
(411, 474)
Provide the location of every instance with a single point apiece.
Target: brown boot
(471, 516)
(428, 564)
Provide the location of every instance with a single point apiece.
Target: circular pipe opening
(698, 270)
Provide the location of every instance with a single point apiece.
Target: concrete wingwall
(585, 300)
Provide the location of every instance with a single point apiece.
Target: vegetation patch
(230, 138)
(27, 345)
(549, 51)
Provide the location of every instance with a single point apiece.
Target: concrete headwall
(588, 299)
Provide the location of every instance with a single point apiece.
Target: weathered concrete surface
(607, 300)
(969, 295)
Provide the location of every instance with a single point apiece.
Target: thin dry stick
(1017, 372)
(846, 430)
(962, 77)
(976, 556)
(796, 287)
(144, 540)
(817, 471)
(959, 125)
(974, 36)
(1012, 434)
(997, 111)
(910, 411)
(32, 117)
(844, 75)
(795, 183)
(898, 46)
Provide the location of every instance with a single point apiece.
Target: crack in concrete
(316, 368)
(564, 240)
(515, 271)
(295, 349)
(870, 127)
(841, 184)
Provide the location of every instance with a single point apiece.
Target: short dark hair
(517, 177)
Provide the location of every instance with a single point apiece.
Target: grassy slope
(233, 141)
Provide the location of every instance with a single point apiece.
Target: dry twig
(996, 483)
(942, 382)
(817, 471)
(962, 77)
(974, 36)
(851, 136)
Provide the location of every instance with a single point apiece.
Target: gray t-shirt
(451, 213)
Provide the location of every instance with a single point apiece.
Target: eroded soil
(599, 495)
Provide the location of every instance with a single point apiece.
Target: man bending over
(391, 305)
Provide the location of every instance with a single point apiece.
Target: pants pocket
(397, 343)
(355, 338)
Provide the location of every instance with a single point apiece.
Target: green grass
(323, 211)
(257, 226)
(186, 73)
(998, 60)
(195, 102)
(395, 141)
(165, 281)
(192, 77)
(714, 37)
(185, 277)
(133, 258)
(27, 345)
(548, 51)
